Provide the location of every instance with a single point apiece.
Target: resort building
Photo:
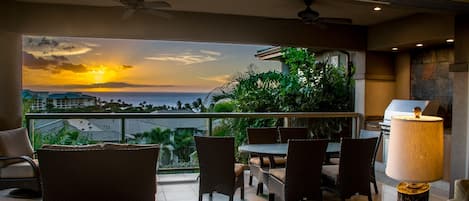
(40, 101)
(71, 100)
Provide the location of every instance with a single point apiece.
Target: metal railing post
(210, 125)
(123, 130)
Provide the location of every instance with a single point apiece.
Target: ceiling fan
(310, 16)
(151, 7)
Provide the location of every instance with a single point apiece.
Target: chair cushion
(18, 170)
(334, 161)
(72, 147)
(331, 172)
(278, 173)
(239, 168)
(278, 160)
(14, 143)
(102, 146)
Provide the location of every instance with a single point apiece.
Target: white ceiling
(360, 13)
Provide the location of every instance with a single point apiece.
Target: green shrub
(63, 137)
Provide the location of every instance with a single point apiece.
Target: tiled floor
(172, 189)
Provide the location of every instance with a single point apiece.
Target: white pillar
(460, 122)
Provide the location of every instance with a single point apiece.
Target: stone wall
(431, 80)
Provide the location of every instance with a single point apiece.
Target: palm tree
(179, 104)
(195, 105)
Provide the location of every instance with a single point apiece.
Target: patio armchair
(259, 165)
(115, 172)
(301, 177)
(18, 169)
(292, 133)
(364, 134)
(461, 190)
(352, 175)
(218, 171)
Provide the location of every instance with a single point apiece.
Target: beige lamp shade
(415, 152)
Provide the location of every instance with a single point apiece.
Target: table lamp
(415, 154)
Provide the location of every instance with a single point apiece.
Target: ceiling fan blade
(158, 13)
(156, 4)
(331, 20)
(128, 13)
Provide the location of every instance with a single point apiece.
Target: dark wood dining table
(280, 149)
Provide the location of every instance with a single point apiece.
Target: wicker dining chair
(363, 135)
(352, 175)
(292, 133)
(218, 171)
(301, 177)
(259, 165)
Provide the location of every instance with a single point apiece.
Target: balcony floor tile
(189, 192)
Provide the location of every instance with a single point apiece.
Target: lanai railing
(175, 128)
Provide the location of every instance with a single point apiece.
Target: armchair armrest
(27, 159)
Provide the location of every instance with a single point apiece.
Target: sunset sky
(99, 65)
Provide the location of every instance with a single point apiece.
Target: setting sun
(101, 74)
(97, 75)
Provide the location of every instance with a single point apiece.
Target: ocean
(154, 98)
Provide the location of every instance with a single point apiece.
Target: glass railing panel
(74, 131)
(175, 136)
(174, 132)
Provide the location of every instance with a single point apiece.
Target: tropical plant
(183, 144)
(224, 105)
(155, 136)
(310, 86)
(62, 137)
(26, 107)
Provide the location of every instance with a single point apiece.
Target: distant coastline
(154, 98)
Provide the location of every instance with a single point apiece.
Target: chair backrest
(292, 133)
(364, 134)
(262, 135)
(303, 168)
(216, 162)
(354, 167)
(99, 173)
(13, 143)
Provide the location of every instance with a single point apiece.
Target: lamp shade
(415, 152)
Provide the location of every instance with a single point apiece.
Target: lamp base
(413, 191)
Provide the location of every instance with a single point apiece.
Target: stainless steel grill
(403, 107)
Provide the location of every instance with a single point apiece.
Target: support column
(10, 80)
(10, 68)
(359, 62)
(374, 82)
(459, 133)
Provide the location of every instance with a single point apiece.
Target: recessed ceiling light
(395, 49)
(377, 8)
(419, 45)
(450, 40)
